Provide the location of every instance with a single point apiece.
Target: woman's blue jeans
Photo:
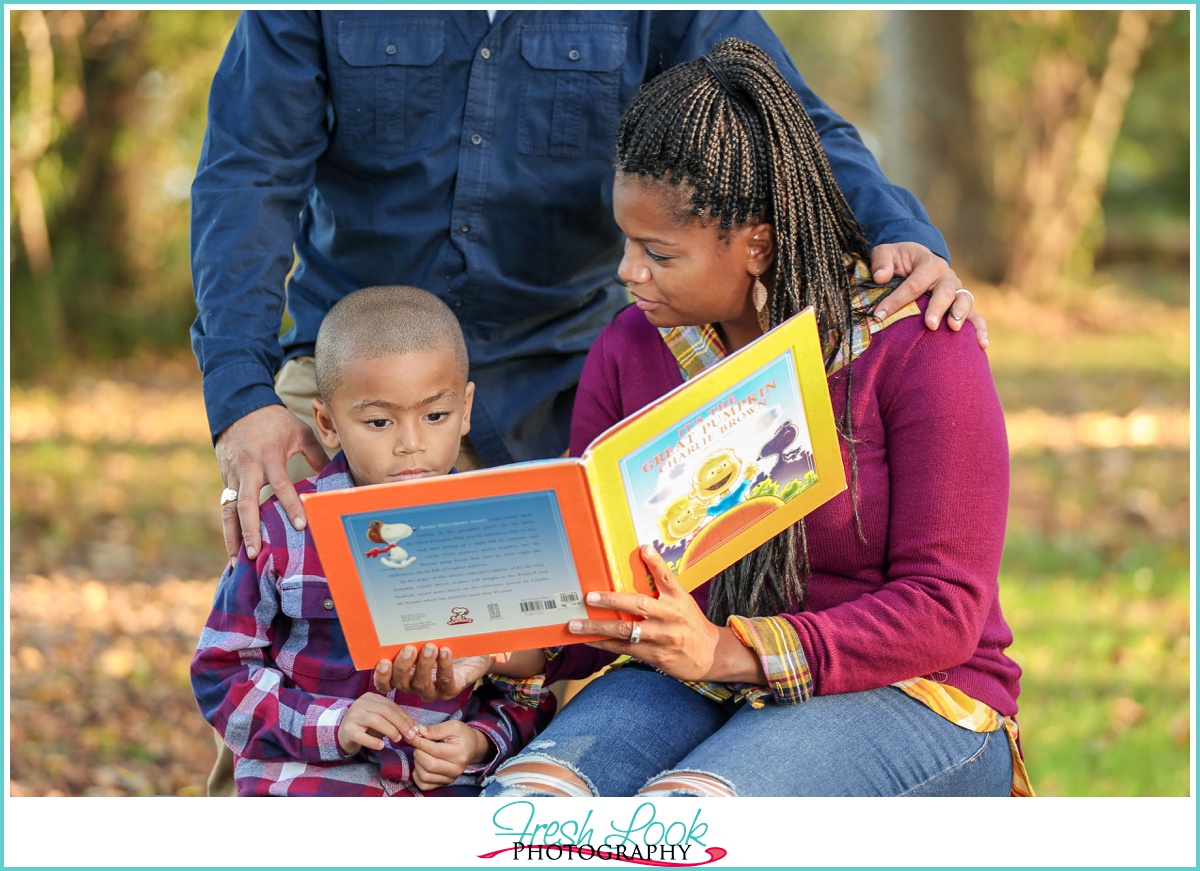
(633, 725)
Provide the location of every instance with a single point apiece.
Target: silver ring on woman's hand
(228, 495)
(635, 634)
(967, 292)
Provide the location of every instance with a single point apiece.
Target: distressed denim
(626, 729)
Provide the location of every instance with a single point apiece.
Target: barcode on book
(567, 599)
(493, 611)
(530, 605)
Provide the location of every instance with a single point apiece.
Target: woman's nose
(630, 272)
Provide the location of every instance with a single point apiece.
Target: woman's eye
(655, 256)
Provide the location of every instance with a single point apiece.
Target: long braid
(731, 127)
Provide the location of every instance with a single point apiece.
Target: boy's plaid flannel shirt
(273, 675)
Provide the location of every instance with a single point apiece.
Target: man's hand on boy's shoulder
(432, 674)
(369, 719)
(252, 452)
(444, 750)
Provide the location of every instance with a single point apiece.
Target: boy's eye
(437, 416)
(378, 422)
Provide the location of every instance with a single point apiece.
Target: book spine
(617, 579)
(615, 575)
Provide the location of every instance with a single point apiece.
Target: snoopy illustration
(390, 535)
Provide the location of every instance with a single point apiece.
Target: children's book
(501, 559)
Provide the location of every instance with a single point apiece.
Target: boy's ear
(760, 246)
(468, 398)
(325, 425)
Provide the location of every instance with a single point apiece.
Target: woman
(860, 652)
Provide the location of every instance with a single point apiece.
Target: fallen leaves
(101, 694)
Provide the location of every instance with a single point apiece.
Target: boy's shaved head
(376, 321)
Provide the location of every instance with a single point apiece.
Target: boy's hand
(371, 717)
(434, 675)
(444, 750)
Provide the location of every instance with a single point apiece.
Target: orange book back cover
(481, 562)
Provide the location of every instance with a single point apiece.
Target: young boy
(272, 672)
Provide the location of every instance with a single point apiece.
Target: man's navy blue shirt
(473, 159)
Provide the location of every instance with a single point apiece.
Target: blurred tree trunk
(929, 131)
(76, 73)
(1076, 116)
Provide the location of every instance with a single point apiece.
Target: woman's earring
(760, 303)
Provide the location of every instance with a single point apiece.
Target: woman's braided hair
(731, 128)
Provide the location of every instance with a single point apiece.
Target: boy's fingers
(377, 722)
(402, 668)
(420, 743)
(405, 725)
(362, 736)
(422, 680)
(434, 765)
(383, 677)
(426, 779)
(440, 731)
(387, 718)
(445, 672)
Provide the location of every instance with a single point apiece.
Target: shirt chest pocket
(387, 85)
(315, 646)
(570, 89)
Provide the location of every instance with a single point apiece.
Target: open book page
(722, 463)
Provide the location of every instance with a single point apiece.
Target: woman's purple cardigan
(920, 596)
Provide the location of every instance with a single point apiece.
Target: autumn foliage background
(1051, 146)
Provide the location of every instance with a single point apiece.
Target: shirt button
(573, 54)
(485, 53)
(476, 139)
(328, 603)
(465, 228)
(391, 49)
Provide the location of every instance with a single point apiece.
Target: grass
(116, 546)
(1104, 703)
(1096, 581)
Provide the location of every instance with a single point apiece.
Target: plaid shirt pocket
(313, 650)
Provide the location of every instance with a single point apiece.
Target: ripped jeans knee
(535, 773)
(685, 782)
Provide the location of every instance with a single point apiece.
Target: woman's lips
(645, 304)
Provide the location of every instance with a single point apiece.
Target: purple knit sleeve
(935, 407)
